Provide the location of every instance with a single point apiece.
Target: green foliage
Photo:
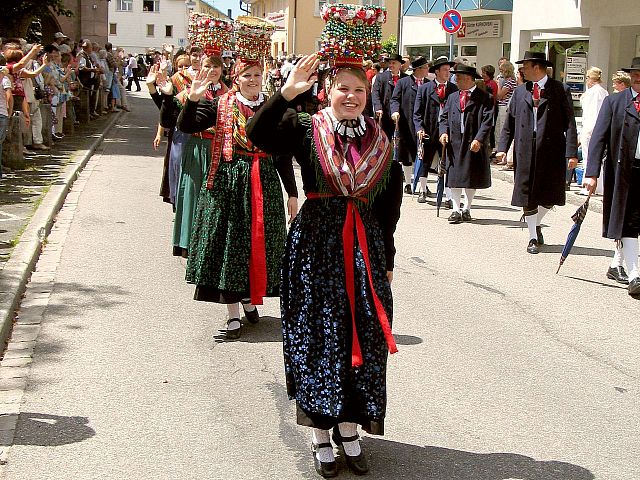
(17, 15)
(390, 45)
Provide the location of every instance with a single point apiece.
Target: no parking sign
(451, 21)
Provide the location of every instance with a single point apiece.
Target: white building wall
(131, 33)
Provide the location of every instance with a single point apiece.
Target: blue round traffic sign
(451, 21)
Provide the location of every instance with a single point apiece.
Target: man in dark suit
(465, 128)
(541, 124)
(381, 92)
(430, 101)
(617, 134)
(402, 101)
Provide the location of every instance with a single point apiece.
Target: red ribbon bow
(463, 99)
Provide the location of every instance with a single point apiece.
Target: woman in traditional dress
(239, 229)
(196, 154)
(338, 265)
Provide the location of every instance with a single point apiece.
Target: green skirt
(195, 162)
(221, 240)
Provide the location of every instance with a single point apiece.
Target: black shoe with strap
(358, 464)
(253, 316)
(539, 234)
(455, 217)
(407, 189)
(422, 197)
(325, 469)
(233, 333)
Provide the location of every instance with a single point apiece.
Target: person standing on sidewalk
(132, 72)
(465, 127)
(617, 135)
(402, 104)
(239, 231)
(88, 76)
(541, 124)
(6, 106)
(430, 101)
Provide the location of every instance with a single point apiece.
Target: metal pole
(451, 46)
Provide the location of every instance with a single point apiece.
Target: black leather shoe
(448, 204)
(618, 274)
(232, 334)
(358, 464)
(422, 198)
(634, 287)
(430, 194)
(533, 246)
(455, 217)
(540, 237)
(325, 469)
(253, 316)
(466, 216)
(407, 189)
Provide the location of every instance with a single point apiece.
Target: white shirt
(591, 101)
(6, 85)
(541, 83)
(250, 103)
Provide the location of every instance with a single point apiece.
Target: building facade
(139, 25)
(298, 22)
(89, 20)
(575, 34)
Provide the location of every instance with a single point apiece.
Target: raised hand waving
(199, 85)
(302, 77)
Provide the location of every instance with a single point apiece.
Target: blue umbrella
(417, 166)
(441, 172)
(578, 218)
(396, 141)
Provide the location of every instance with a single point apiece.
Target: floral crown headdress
(352, 33)
(253, 39)
(211, 34)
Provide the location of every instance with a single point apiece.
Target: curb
(17, 271)
(595, 205)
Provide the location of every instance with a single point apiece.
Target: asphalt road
(505, 371)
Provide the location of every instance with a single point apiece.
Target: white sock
(532, 223)
(324, 454)
(469, 193)
(423, 184)
(233, 310)
(408, 170)
(456, 194)
(348, 429)
(541, 213)
(247, 305)
(630, 252)
(447, 193)
(617, 258)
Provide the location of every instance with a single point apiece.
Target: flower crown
(352, 32)
(211, 34)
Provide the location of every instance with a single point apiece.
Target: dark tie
(441, 92)
(463, 99)
(536, 94)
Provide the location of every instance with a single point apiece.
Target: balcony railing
(428, 7)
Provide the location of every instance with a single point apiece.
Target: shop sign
(481, 29)
(277, 19)
(575, 74)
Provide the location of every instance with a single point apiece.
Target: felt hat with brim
(635, 65)
(58, 35)
(396, 57)
(419, 62)
(440, 61)
(535, 57)
(466, 70)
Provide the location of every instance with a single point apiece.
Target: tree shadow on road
(69, 298)
(390, 459)
(46, 430)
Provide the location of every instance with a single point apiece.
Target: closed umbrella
(441, 173)
(578, 218)
(417, 167)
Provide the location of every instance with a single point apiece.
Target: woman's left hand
(390, 276)
(302, 77)
(292, 208)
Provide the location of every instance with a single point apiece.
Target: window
(431, 51)
(469, 51)
(506, 50)
(320, 4)
(150, 30)
(168, 30)
(151, 5)
(124, 6)
(113, 29)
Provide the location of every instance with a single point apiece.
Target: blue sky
(223, 5)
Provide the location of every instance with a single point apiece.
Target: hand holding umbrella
(417, 168)
(444, 139)
(578, 218)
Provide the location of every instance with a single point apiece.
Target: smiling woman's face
(348, 96)
(250, 82)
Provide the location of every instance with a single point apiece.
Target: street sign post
(451, 22)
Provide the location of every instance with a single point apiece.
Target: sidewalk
(29, 201)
